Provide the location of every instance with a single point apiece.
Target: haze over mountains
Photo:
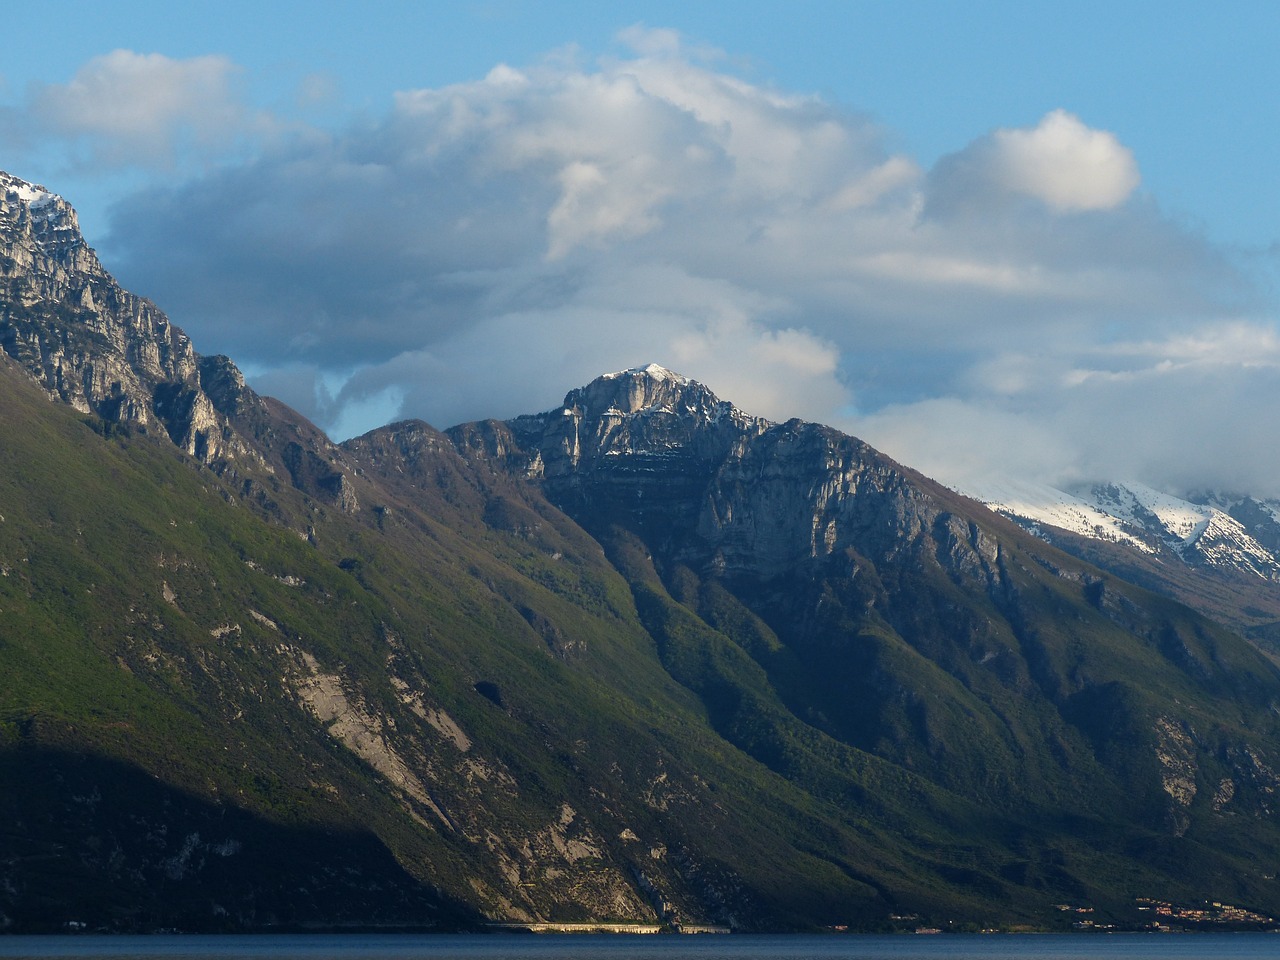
(643, 657)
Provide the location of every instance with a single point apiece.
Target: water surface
(597, 947)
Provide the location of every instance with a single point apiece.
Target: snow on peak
(1137, 503)
(31, 194)
(654, 370)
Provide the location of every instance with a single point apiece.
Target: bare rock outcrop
(87, 341)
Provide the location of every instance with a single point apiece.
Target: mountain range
(1219, 553)
(642, 657)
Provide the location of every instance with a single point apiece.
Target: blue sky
(1185, 84)
(1033, 237)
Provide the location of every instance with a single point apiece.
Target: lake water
(591, 947)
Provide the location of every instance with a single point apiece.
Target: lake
(596, 947)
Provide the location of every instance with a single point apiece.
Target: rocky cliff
(106, 352)
(90, 343)
(720, 490)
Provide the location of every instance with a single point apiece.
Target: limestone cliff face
(644, 419)
(718, 489)
(90, 343)
(106, 352)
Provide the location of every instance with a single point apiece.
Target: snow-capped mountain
(1214, 531)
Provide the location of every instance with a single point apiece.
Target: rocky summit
(642, 658)
(90, 344)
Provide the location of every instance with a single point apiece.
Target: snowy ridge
(1032, 504)
(31, 194)
(1139, 516)
(1136, 502)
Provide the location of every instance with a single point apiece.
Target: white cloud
(957, 440)
(652, 42)
(1061, 162)
(1236, 343)
(127, 110)
(1189, 411)
(1065, 164)
(140, 109)
(875, 184)
(486, 246)
(595, 205)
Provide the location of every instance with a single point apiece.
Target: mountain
(1219, 554)
(641, 657)
(91, 344)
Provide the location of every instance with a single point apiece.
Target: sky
(1023, 239)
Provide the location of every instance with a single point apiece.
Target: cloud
(483, 247)
(1188, 411)
(128, 109)
(957, 440)
(1060, 162)
(1065, 164)
(652, 42)
(622, 318)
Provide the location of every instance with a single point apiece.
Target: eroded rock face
(446, 785)
(104, 351)
(1176, 753)
(90, 343)
(716, 488)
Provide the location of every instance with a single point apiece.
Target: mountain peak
(39, 232)
(644, 390)
(654, 371)
(89, 342)
(31, 194)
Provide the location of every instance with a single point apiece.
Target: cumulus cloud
(1060, 162)
(484, 247)
(1065, 164)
